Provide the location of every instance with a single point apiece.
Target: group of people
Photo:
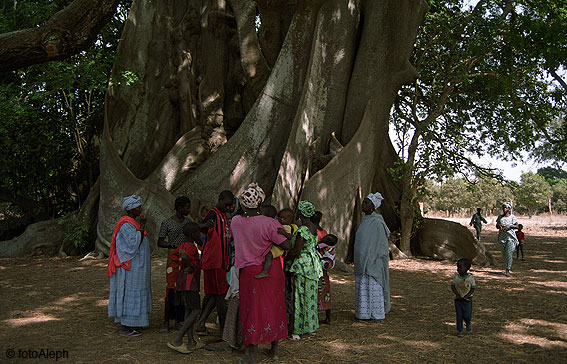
(265, 272)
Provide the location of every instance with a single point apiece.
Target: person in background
(521, 240)
(476, 221)
(506, 224)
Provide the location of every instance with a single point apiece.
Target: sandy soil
(60, 304)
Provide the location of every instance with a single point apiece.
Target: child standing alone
(187, 287)
(463, 287)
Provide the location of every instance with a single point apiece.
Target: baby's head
(269, 211)
(520, 227)
(463, 266)
(316, 218)
(286, 216)
(330, 240)
(192, 232)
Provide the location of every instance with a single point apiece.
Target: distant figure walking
(476, 221)
(506, 223)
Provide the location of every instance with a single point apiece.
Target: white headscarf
(131, 202)
(508, 204)
(253, 196)
(376, 199)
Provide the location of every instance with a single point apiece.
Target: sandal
(180, 349)
(132, 333)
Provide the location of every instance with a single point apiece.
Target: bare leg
(267, 265)
(208, 307)
(165, 328)
(274, 351)
(327, 320)
(252, 353)
(190, 318)
(221, 310)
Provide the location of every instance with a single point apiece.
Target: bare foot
(164, 330)
(326, 322)
(261, 275)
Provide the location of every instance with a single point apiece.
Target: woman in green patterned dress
(306, 268)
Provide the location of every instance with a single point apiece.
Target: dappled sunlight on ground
(61, 303)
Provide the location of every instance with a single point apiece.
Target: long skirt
(369, 298)
(130, 296)
(508, 248)
(324, 292)
(306, 318)
(232, 333)
(262, 304)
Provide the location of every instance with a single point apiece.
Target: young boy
(521, 237)
(276, 251)
(286, 217)
(187, 287)
(463, 287)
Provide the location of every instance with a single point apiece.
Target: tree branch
(558, 78)
(66, 33)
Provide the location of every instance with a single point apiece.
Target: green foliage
(484, 87)
(533, 194)
(51, 114)
(75, 230)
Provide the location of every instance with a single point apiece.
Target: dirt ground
(60, 304)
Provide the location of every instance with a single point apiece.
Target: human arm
(294, 252)
(189, 266)
(454, 289)
(467, 297)
(284, 233)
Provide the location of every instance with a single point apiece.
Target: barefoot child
(463, 287)
(187, 287)
(275, 251)
(521, 237)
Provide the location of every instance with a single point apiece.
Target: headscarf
(253, 196)
(376, 199)
(131, 202)
(306, 208)
(508, 204)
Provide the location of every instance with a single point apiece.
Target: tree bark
(66, 33)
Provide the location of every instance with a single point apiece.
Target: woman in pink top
(262, 301)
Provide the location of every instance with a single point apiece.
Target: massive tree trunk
(214, 109)
(337, 71)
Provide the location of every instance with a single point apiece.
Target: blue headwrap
(131, 202)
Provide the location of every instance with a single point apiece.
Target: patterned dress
(507, 239)
(306, 269)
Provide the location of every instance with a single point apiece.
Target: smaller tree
(533, 194)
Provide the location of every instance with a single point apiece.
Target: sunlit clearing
(39, 318)
(340, 281)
